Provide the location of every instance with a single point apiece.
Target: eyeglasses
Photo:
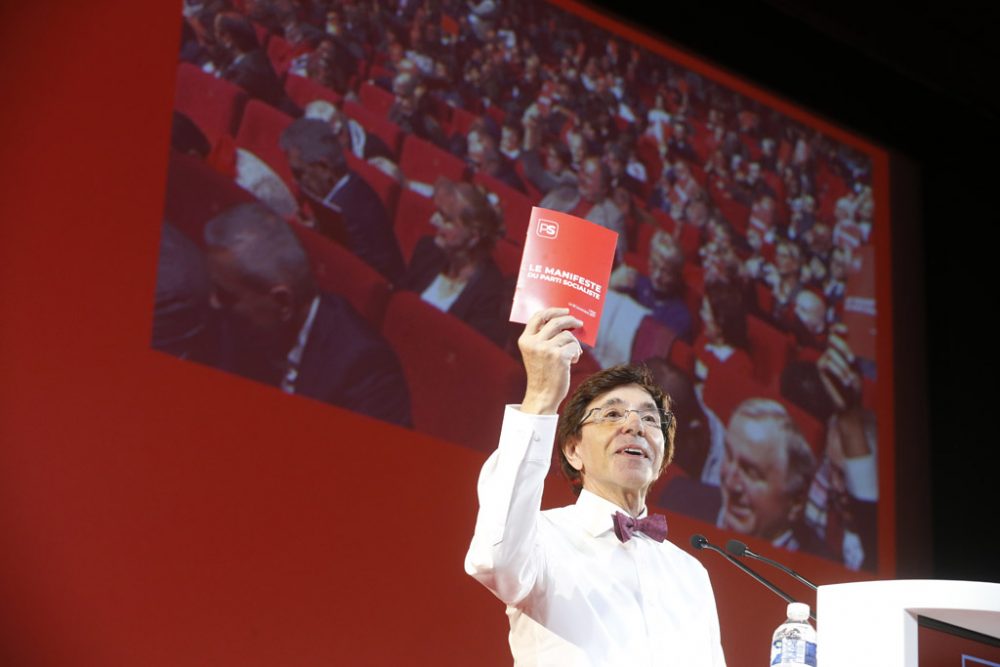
(615, 414)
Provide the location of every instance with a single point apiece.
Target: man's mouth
(637, 452)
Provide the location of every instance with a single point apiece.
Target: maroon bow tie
(654, 526)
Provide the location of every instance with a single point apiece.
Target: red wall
(154, 512)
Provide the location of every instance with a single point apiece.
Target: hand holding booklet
(566, 263)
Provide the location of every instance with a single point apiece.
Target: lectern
(874, 623)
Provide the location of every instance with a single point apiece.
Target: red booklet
(566, 263)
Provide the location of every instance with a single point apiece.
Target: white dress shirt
(575, 594)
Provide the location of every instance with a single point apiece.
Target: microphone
(737, 548)
(699, 541)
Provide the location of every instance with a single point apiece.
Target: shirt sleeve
(504, 555)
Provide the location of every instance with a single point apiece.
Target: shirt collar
(336, 188)
(295, 354)
(595, 513)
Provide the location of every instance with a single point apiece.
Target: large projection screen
(172, 513)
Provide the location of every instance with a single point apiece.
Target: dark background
(920, 79)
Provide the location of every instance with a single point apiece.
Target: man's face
(315, 178)
(785, 260)
(754, 474)
(811, 311)
(451, 234)
(664, 271)
(617, 459)
(591, 182)
(406, 98)
(261, 317)
(474, 148)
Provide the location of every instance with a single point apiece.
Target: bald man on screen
(594, 583)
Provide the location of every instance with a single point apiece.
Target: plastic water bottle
(794, 642)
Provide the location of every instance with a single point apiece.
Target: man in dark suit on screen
(276, 327)
(316, 158)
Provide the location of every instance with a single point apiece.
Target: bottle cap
(798, 611)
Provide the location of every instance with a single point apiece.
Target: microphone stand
(699, 541)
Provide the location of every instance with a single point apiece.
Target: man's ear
(571, 450)
(283, 298)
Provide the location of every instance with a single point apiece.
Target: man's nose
(633, 422)
(731, 477)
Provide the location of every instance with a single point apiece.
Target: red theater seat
(690, 242)
(380, 126)
(459, 380)
(461, 121)
(336, 269)
(384, 185)
(376, 99)
(260, 132)
(439, 109)
(770, 350)
(412, 221)
(423, 161)
(196, 193)
(214, 105)
(303, 90)
(280, 52)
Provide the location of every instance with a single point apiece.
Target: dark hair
(240, 30)
(729, 312)
(477, 213)
(569, 427)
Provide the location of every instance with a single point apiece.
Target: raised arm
(502, 555)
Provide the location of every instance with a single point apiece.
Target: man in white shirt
(593, 583)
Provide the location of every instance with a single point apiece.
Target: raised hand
(548, 349)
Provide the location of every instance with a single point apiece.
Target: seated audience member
(591, 198)
(329, 65)
(249, 67)
(835, 285)
(181, 309)
(662, 291)
(484, 157)
(510, 140)
(557, 170)
(624, 169)
(453, 270)
(352, 134)
(723, 340)
(809, 326)
(842, 506)
(409, 110)
(276, 327)
(817, 250)
(766, 471)
(783, 277)
(316, 158)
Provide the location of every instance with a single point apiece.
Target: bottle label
(793, 651)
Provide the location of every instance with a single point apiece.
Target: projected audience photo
(349, 189)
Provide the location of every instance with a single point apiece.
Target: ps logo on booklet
(548, 229)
